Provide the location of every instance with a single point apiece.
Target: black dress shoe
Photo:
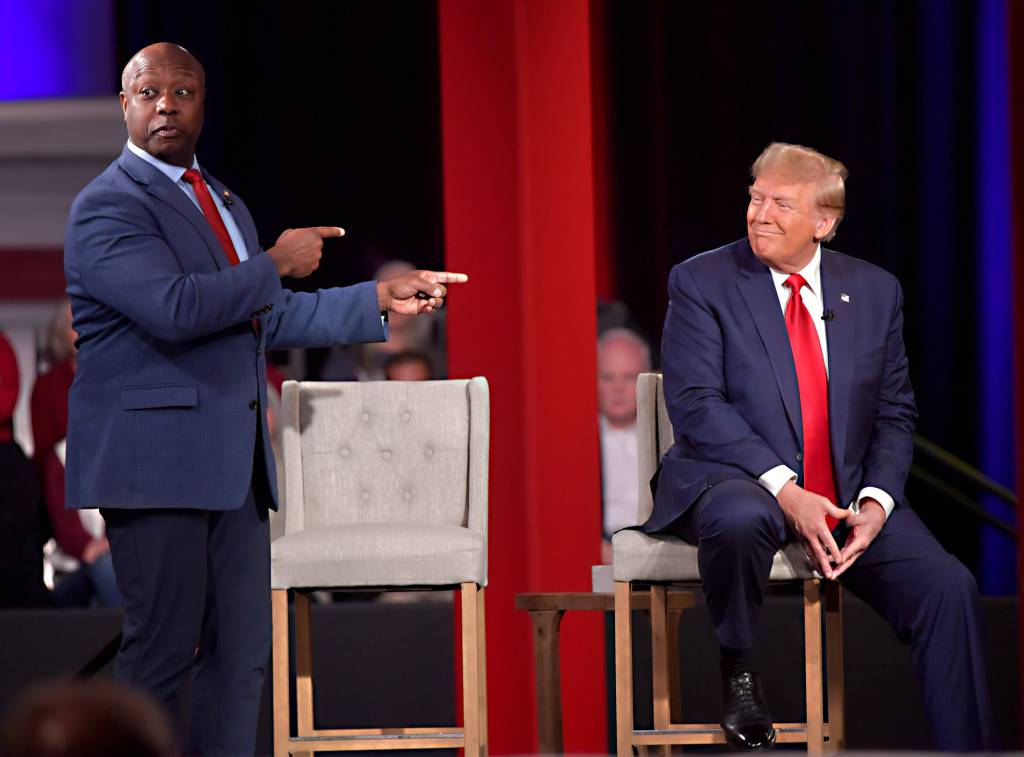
(745, 719)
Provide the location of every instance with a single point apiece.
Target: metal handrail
(950, 461)
(964, 468)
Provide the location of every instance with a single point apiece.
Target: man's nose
(762, 212)
(167, 103)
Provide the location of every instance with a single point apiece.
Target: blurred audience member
(93, 718)
(21, 527)
(409, 366)
(80, 534)
(50, 392)
(622, 355)
(367, 362)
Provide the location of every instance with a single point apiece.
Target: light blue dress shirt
(175, 174)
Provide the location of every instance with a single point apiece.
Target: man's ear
(124, 105)
(824, 226)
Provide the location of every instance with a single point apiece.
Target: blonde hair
(801, 164)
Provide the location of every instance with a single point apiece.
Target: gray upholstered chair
(386, 487)
(663, 560)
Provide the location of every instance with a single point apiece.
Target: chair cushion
(637, 556)
(378, 554)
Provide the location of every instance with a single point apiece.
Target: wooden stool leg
(303, 671)
(834, 651)
(279, 625)
(470, 670)
(546, 625)
(623, 671)
(481, 654)
(659, 658)
(812, 665)
(675, 675)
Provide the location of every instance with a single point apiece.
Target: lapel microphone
(828, 315)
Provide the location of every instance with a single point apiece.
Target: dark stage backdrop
(696, 90)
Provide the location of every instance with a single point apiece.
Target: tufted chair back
(386, 452)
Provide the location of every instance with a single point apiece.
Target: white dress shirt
(619, 483)
(175, 173)
(774, 479)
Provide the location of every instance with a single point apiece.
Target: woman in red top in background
(94, 580)
(21, 535)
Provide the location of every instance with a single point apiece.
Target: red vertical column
(519, 219)
(1015, 46)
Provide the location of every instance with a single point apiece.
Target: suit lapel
(840, 332)
(758, 290)
(165, 190)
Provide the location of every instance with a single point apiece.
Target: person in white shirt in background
(622, 355)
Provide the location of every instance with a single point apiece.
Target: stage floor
(409, 648)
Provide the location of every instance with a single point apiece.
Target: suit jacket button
(253, 404)
(259, 351)
(270, 307)
(799, 456)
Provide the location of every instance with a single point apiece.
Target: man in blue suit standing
(788, 388)
(175, 304)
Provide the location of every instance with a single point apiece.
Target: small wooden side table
(546, 611)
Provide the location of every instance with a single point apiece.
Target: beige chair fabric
(386, 484)
(637, 556)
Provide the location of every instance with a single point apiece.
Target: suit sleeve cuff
(873, 492)
(774, 479)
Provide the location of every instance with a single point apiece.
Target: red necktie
(813, 384)
(193, 177)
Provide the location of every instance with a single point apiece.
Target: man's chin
(178, 155)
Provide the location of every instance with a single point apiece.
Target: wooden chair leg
(303, 667)
(659, 658)
(834, 652)
(623, 671)
(279, 625)
(481, 655)
(675, 674)
(470, 670)
(303, 671)
(812, 665)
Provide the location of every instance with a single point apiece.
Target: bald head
(622, 355)
(161, 53)
(162, 92)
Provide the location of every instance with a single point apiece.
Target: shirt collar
(174, 173)
(811, 273)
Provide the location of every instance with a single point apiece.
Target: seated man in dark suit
(176, 303)
(788, 387)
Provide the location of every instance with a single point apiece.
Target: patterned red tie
(193, 177)
(813, 383)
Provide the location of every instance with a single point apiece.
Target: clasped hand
(805, 511)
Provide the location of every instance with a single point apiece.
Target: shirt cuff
(774, 479)
(888, 503)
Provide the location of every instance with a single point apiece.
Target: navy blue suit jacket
(731, 387)
(170, 387)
